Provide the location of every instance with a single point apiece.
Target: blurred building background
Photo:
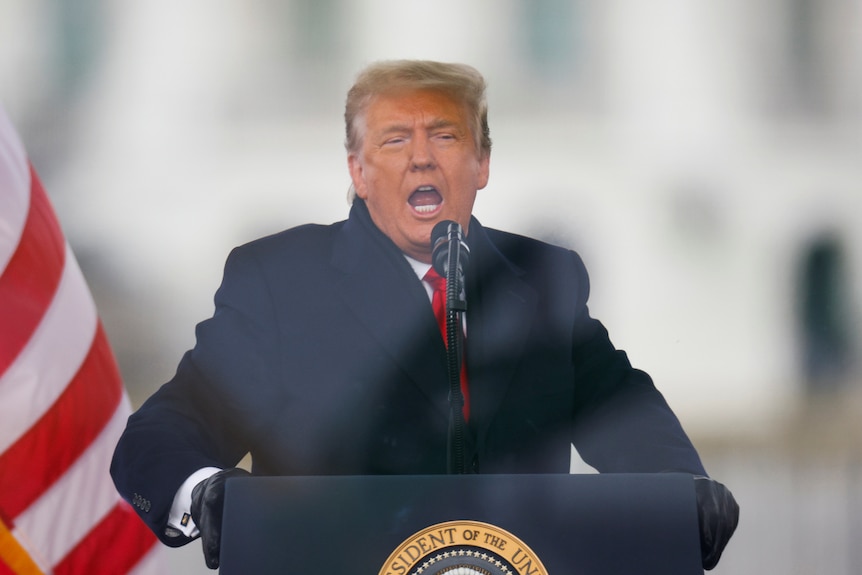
(704, 157)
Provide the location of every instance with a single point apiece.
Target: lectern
(615, 524)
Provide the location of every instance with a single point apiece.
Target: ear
(484, 171)
(357, 175)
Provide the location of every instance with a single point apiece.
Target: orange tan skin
(417, 164)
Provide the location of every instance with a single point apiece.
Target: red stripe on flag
(32, 275)
(43, 454)
(115, 545)
(5, 520)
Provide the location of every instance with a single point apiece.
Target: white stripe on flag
(51, 357)
(31, 550)
(59, 519)
(15, 188)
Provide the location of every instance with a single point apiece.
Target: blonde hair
(460, 81)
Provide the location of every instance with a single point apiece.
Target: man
(323, 355)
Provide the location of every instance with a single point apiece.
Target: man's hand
(207, 509)
(717, 514)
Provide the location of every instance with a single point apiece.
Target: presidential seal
(463, 548)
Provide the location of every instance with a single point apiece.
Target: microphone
(449, 255)
(448, 246)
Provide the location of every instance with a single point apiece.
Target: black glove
(717, 514)
(207, 510)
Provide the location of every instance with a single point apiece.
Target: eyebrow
(435, 125)
(441, 123)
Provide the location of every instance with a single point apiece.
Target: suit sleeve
(202, 417)
(622, 423)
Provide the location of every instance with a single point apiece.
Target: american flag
(62, 403)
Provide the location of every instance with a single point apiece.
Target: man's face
(417, 165)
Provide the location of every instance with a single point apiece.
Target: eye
(445, 136)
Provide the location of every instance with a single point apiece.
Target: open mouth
(425, 199)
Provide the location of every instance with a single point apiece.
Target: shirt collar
(419, 268)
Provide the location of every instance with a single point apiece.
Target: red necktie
(438, 302)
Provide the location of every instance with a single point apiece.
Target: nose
(422, 157)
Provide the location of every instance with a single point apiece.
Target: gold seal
(463, 548)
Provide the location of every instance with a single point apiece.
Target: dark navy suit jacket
(323, 357)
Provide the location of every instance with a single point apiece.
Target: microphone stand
(456, 305)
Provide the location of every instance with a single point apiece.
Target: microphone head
(441, 231)
(444, 235)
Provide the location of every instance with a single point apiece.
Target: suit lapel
(383, 292)
(500, 314)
